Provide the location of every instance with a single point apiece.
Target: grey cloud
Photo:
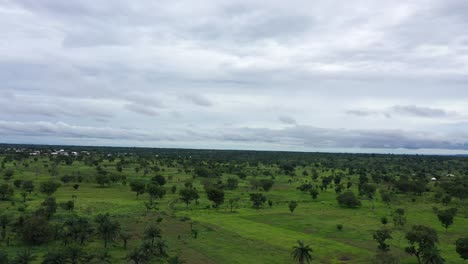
(422, 111)
(141, 109)
(287, 120)
(197, 99)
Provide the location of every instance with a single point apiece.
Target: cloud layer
(304, 75)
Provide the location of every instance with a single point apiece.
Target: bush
(339, 227)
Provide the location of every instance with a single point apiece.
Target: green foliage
(107, 228)
(138, 187)
(446, 216)
(423, 244)
(348, 199)
(49, 187)
(381, 236)
(292, 206)
(6, 191)
(257, 199)
(216, 196)
(36, 230)
(462, 247)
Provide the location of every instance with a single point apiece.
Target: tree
(139, 255)
(24, 257)
(314, 193)
(423, 242)
(159, 179)
(36, 230)
(49, 187)
(446, 217)
(232, 183)
(78, 228)
(4, 221)
(292, 206)
(8, 174)
(155, 191)
(266, 184)
(386, 196)
(462, 247)
(102, 179)
(107, 228)
(399, 218)
(188, 194)
(257, 199)
(28, 186)
(152, 232)
(233, 203)
(216, 196)
(17, 183)
(48, 207)
(6, 191)
(138, 187)
(301, 253)
(381, 236)
(348, 199)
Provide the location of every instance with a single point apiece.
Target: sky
(347, 76)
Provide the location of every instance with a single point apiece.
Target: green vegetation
(136, 205)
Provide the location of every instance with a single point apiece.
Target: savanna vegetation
(137, 205)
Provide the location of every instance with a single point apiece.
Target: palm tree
(301, 253)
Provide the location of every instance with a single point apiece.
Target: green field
(245, 235)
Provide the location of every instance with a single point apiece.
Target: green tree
(155, 191)
(216, 196)
(36, 230)
(28, 186)
(188, 194)
(446, 217)
(102, 179)
(314, 193)
(292, 206)
(266, 184)
(348, 199)
(49, 187)
(6, 191)
(302, 253)
(423, 244)
(107, 228)
(257, 199)
(4, 221)
(399, 218)
(462, 247)
(138, 187)
(152, 232)
(381, 236)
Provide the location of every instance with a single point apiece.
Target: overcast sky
(367, 76)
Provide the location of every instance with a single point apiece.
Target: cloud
(141, 109)
(197, 99)
(405, 110)
(222, 66)
(287, 120)
(422, 111)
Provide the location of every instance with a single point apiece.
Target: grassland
(245, 235)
